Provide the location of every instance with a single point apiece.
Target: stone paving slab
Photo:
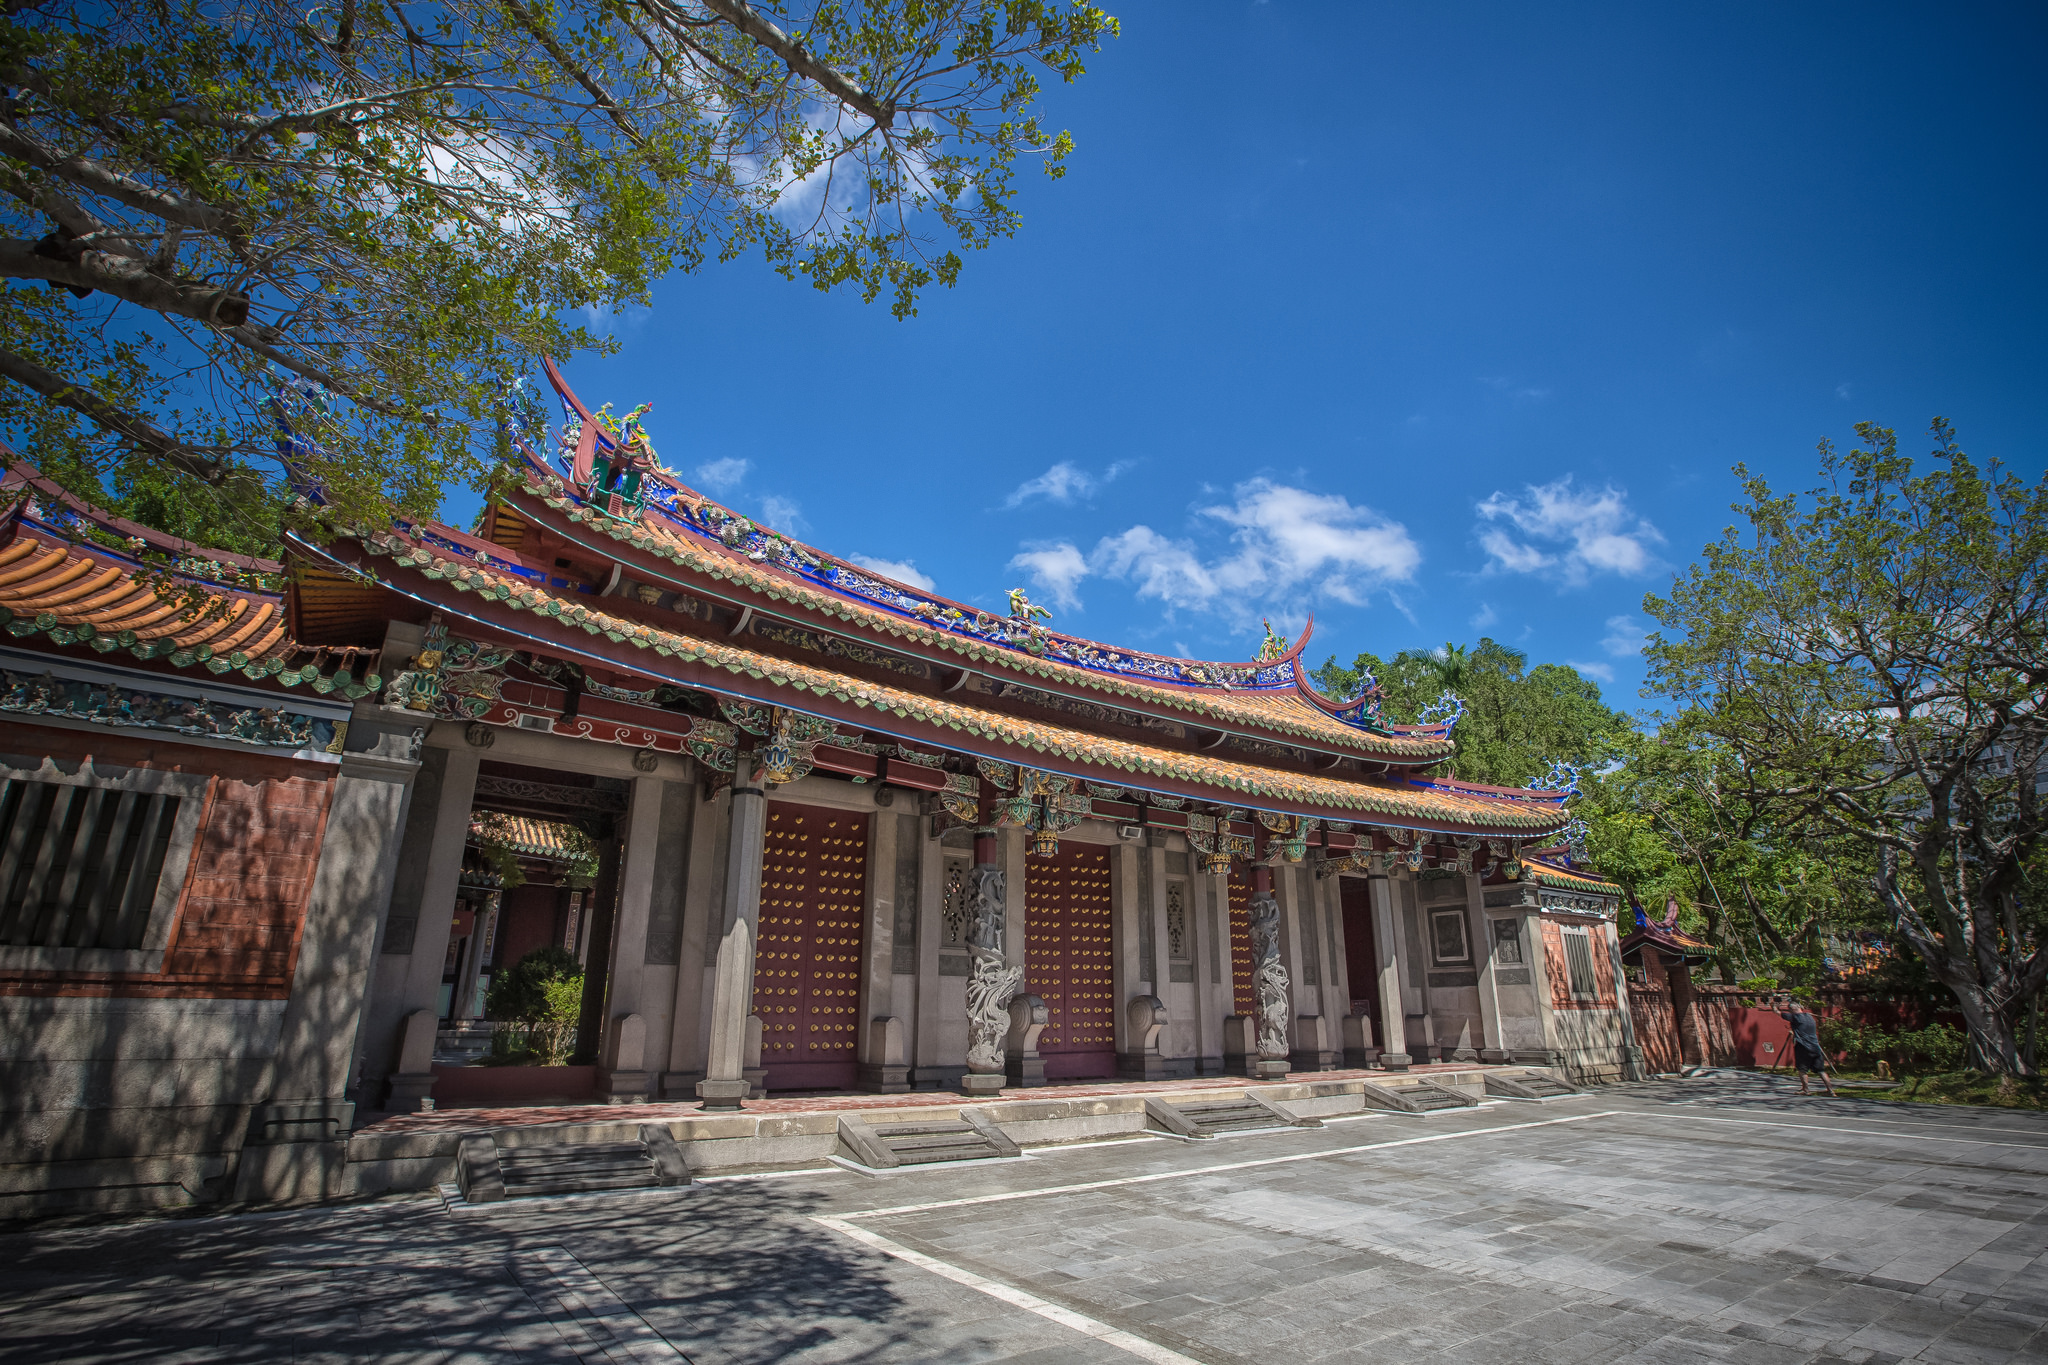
(1720, 1222)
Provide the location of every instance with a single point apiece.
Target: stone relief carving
(1269, 977)
(992, 981)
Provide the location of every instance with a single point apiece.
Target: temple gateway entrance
(1068, 962)
(807, 971)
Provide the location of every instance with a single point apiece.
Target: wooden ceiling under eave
(326, 608)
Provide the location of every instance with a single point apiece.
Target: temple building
(806, 829)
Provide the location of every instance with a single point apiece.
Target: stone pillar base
(884, 1080)
(724, 1094)
(976, 1083)
(1310, 1059)
(1267, 1070)
(1492, 1056)
(411, 1091)
(626, 1087)
(757, 1078)
(1024, 1072)
(1139, 1066)
(1396, 1061)
(1361, 1058)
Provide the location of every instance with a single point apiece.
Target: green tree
(384, 212)
(1875, 657)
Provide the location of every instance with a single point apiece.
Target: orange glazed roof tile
(780, 681)
(1281, 713)
(1550, 874)
(76, 594)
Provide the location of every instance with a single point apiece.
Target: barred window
(1578, 957)
(91, 864)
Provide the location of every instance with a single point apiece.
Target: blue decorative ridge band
(736, 533)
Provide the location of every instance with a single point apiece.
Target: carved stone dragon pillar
(1269, 978)
(992, 980)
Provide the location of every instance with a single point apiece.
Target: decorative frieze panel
(116, 706)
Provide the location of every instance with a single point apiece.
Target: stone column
(295, 1134)
(996, 970)
(703, 906)
(1538, 948)
(1393, 1008)
(417, 978)
(931, 893)
(880, 1040)
(623, 1078)
(732, 989)
(1493, 1044)
(1269, 977)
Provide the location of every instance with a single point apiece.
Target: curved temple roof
(559, 623)
(690, 528)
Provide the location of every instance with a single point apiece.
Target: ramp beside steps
(891, 1146)
(1194, 1119)
(487, 1172)
(1418, 1097)
(1530, 1085)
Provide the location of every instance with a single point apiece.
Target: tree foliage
(1872, 660)
(367, 218)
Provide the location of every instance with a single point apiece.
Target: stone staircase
(462, 1043)
(1195, 1119)
(890, 1146)
(1530, 1085)
(1417, 1097)
(487, 1171)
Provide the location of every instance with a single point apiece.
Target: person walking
(1806, 1053)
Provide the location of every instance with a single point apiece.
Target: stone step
(1528, 1085)
(886, 1146)
(487, 1172)
(1195, 1119)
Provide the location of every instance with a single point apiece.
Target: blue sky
(1435, 321)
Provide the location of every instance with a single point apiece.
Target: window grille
(1578, 957)
(80, 866)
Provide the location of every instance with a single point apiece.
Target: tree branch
(124, 279)
(834, 82)
(208, 464)
(91, 175)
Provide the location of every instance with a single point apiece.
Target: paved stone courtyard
(1716, 1220)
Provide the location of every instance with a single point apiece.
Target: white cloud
(1062, 483)
(722, 476)
(1624, 637)
(1289, 543)
(1557, 529)
(1290, 537)
(783, 514)
(1604, 672)
(1485, 616)
(1056, 568)
(902, 570)
(1169, 570)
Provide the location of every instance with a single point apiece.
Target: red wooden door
(1067, 959)
(1361, 962)
(1244, 995)
(807, 966)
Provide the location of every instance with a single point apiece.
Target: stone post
(1479, 930)
(992, 979)
(1393, 1011)
(421, 980)
(725, 1083)
(1269, 977)
(620, 1079)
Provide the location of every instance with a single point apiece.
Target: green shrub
(1934, 1049)
(538, 1002)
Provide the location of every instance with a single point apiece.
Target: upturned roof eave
(786, 598)
(627, 647)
